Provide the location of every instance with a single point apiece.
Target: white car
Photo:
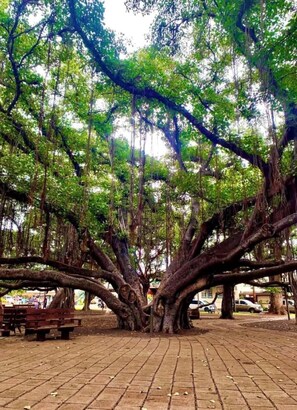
(200, 304)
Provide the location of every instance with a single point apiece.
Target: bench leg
(65, 334)
(40, 336)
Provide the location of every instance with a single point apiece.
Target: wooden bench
(12, 318)
(42, 321)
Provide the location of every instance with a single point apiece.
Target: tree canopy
(84, 202)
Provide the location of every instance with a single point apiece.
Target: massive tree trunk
(170, 317)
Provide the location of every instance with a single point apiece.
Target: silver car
(290, 304)
(244, 305)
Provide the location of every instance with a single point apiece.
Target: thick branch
(151, 94)
(99, 256)
(245, 277)
(25, 284)
(66, 281)
(73, 270)
(223, 217)
(223, 257)
(256, 265)
(268, 284)
(109, 270)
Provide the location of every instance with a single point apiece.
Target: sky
(134, 27)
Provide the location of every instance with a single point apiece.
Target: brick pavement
(227, 367)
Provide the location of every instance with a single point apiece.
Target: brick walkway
(227, 367)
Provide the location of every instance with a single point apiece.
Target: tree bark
(87, 301)
(293, 283)
(227, 302)
(64, 298)
(276, 304)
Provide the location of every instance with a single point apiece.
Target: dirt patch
(94, 324)
(280, 325)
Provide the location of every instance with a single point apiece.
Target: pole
(151, 318)
(286, 298)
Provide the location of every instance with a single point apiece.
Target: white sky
(134, 27)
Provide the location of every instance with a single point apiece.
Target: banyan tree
(86, 201)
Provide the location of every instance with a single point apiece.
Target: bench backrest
(14, 315)
(21, 315)
(40, 317)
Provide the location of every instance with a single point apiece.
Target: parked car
(245, 305)
(291, 305)
(200, 305)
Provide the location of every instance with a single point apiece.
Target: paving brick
(46, 406)
(226, 368)
(4, 400)
(20, 403)
(70, 407)
(207, 404)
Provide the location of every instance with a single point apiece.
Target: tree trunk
(184, 319)
(131, 321)
(293, 282)
(227, 302)
(170, 317)
(87, 301)
(276, 304)
(64, 298)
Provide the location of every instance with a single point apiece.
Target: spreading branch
(149, 93)
(246, 277)
(65, 281)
